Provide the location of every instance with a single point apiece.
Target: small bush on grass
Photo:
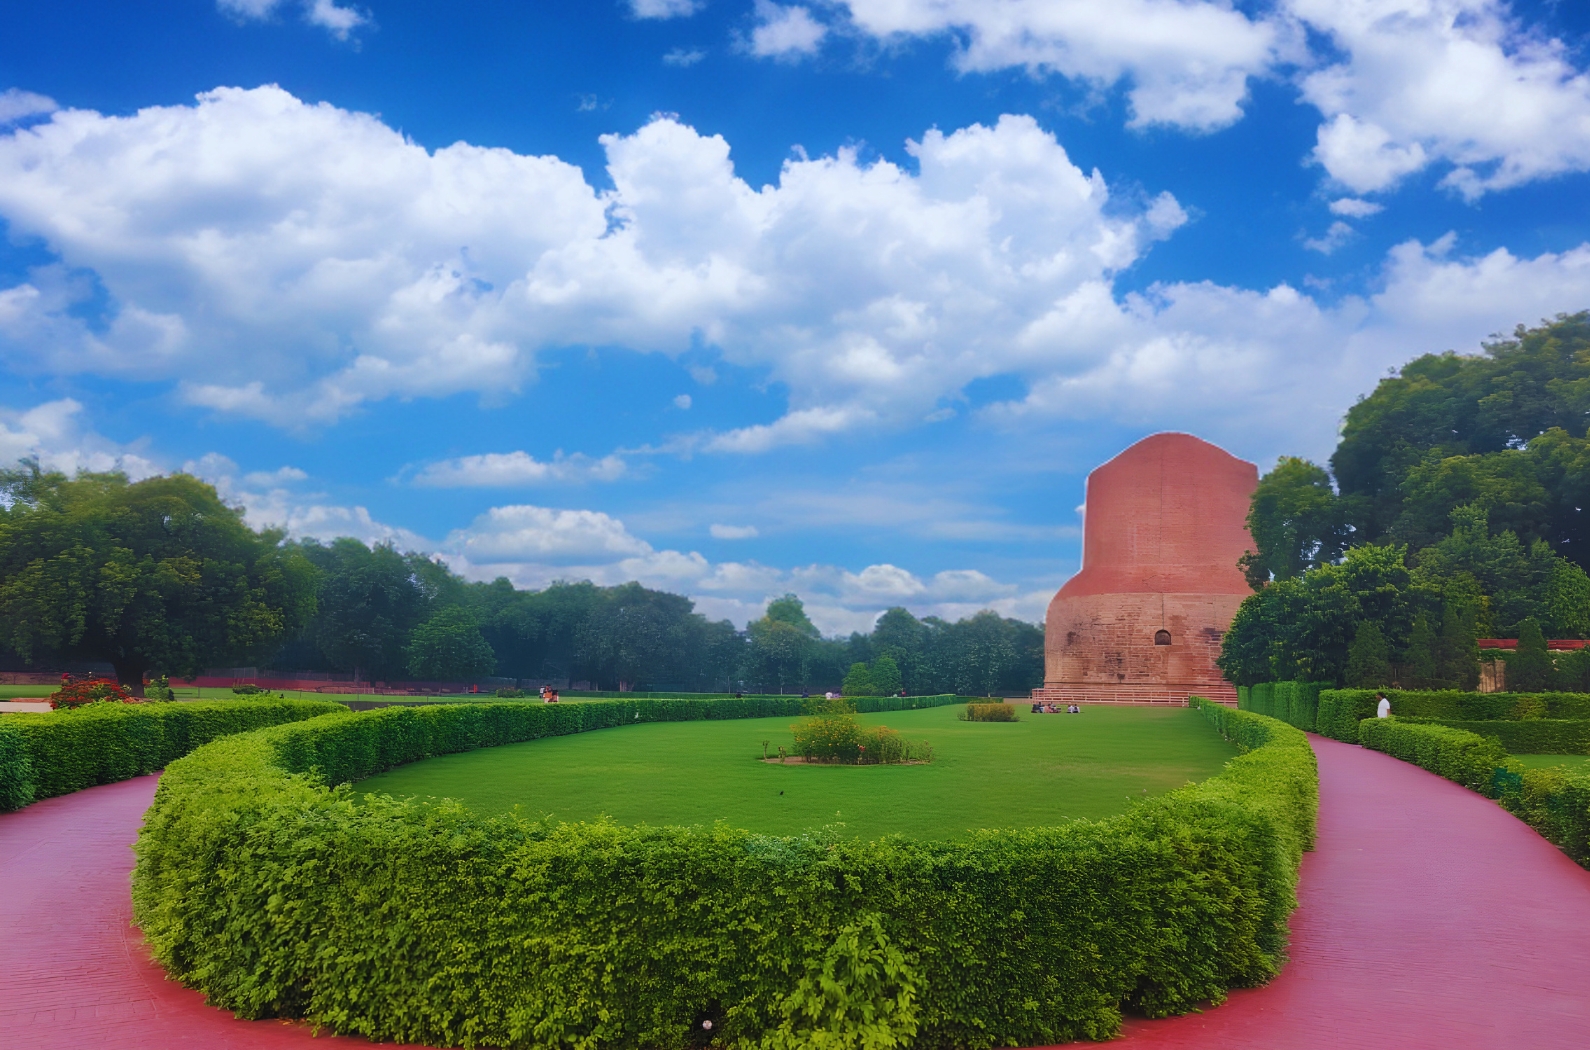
(247, 689)
(989, 713)
(508, 692)
(419, 921)
(832, 734)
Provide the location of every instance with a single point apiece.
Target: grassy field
(1040, 770)
(1542, 761)
(25, 692)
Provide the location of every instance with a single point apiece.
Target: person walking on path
(1383, 708)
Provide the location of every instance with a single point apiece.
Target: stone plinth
(1164, 525)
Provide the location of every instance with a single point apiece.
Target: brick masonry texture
(1165, 523)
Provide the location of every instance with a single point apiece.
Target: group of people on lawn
(1050, 708)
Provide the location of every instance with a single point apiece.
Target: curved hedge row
(278, 894)
(58, 752)
(1555, 802)
(1340, 710)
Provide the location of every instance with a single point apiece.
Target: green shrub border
(1295, 703)
(1532, 736)
(1555, 802)
(277, 893)
(53, 753)
(1340, 710)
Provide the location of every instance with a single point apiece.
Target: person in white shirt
(1383, 708)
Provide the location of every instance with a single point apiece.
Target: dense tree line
(1453, 508)
(161, 577)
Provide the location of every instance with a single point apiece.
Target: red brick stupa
(1164, 525)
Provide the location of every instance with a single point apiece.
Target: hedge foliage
(1459, 756)
(278, 893)
(912, 702)
(1294, 703)
(1532, 736)
(64, 751)
(16, 768)
(1555, 802)
(1341, 709)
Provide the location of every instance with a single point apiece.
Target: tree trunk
(130, 674)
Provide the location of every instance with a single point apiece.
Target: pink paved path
(1429, 918)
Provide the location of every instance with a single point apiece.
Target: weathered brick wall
(1165, 524)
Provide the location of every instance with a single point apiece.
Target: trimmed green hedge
(1459, 756)
(1555, 802)
(1341, 709)
(16, 768)
(278, 894)
(936, 700)
(1532, 736)
(65, 751)
(1294, 703)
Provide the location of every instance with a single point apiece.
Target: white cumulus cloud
(1464, 82)
(785, 32)
(661, 9)
(1187, 62)
(510, 469)
(340, 21)
(16, 104)
(290, 262)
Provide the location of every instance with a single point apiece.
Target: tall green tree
(1529, 671)
(1297, 523)
(1423, 655)
(158, 575)
(885, 675)
(370, 599)
(1458, 655)
(1529, 393)
(1368, 658)
(449, 647)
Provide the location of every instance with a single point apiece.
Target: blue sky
(738, 297)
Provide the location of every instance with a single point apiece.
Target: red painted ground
(1429, 918)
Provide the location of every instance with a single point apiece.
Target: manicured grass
(25, 692)
(1542, 761)
(1041, 770)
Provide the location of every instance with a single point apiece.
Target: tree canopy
(158, 575)
(1456, 511)
(161, 576)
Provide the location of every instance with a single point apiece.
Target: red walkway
(1429, 918)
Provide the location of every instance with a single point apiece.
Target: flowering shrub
(82, 691)
(832, 734)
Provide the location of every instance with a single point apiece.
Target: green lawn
(1040, 770)
(1542, 761)
(25, 692)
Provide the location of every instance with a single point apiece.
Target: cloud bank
(292, 262)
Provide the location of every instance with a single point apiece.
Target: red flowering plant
(80, 692)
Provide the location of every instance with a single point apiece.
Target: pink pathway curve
(1429, 918)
